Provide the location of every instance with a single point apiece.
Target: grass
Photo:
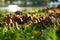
(28, 33)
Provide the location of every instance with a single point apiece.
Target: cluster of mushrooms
(14, 19)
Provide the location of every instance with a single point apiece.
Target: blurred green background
(26, 2)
